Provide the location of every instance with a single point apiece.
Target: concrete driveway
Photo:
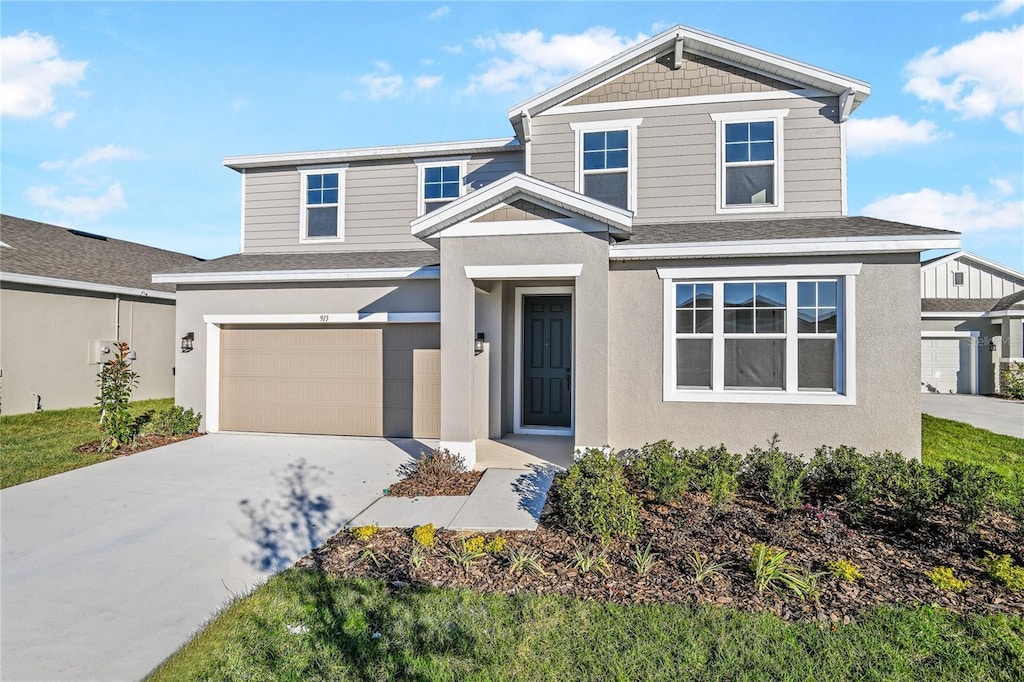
(994, 414)
(106, 570)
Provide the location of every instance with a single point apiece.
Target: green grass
(41, 444)
(943, 439)
(306, 625)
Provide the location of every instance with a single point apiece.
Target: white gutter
(788, 247)
(428, 272)
(497, 144)
(83, 286)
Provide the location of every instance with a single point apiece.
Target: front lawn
(309, 625)
(944, 439)
(41, 444)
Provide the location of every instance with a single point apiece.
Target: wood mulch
(141, 443)
(416, 485)
(893, 562)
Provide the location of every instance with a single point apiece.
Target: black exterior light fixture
(478, 345)
(186, 342)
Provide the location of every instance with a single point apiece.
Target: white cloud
(440, 12)
(427, 82)
(62, 119)
(532, 63)
(1002, 185)
(868, 136)
(87, 208)
(94, 156)
(1003, 9)
(979, 78)
(32, 69)
(452, 49)
(382, 83)
(963, 212)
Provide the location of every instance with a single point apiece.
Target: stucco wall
(45, 341)
(193, 302)
(887, 413)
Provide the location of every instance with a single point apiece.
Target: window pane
(805, 294)
(806, 320)
(684, 295)
(755, 363)
(771, 321)
(737, 152)
(617, 139)
(432, 190)
(826, 320)
(763, 131)
(433, 205)
(330, 181)
(704, 295)
(450, 173)
(771, 294)
(817, 364)
(322, 222)
(684, 322)
(450, 190)
(762, 151)
(749, 185)
(432, 174)
(330, 196)
(739, 295)
(693, 363)
(593, 160)
(617, 159)
(739, 321)
(313, 196)
(737, 132)
(704, 321)
(592, 141)
(607, 187)
(827, 294)
(315, 181)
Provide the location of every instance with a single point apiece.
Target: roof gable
(968, 257)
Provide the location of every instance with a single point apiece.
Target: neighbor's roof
(779, 228)
(41, 253)
(958, 305)
(1011, 302)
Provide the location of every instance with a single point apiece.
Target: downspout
(117, 317)
(527, 134)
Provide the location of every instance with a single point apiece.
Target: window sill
(753, 208)
(674, 395)
(321, 240)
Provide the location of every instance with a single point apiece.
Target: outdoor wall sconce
(478, 345)
(186, 342)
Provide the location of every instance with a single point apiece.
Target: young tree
(116, 381)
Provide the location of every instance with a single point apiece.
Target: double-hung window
(783, 337)
(749, 161)
(440, 181)
(606, 161)
(323, 204)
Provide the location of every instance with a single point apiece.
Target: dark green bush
(716, 471)
(177, 421)
(657, 468)
(591, 498)
(776, 476)
(911, 487)
(1013, 499)
(970, 489)
(842, 472)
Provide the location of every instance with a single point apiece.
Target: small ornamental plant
(363, 533)
(496, 545)
(116, 381)
(844, 569)
(1002, 570)
(425, 535)
(475, 544)
(943, 578)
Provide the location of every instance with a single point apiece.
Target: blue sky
(115, 116)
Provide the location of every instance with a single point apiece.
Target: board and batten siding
(380, 202)
(979, 281)
(676, 157)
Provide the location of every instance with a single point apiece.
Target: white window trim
(319, 170)
(774, 115)
(423, 164)
(846, 350)
(630, 125)
(517, 423)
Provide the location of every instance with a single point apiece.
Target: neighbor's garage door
(940, 365)
(353, 381)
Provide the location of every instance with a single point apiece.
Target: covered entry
(372, 380)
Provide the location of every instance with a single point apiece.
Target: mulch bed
(892, 561)
(426, 486)
(146, 442)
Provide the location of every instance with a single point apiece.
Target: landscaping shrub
(776, 476)
(657, 468)
(363, 533)
(176, 421)
(717, 472)
(1002, 570)
(1013, 500)
(843, 472)
(911, 487)
(943, 578)
(591, 498)
(116, 380)
(970, 489)
(844, 569)
(425, 535)
(770, 570)
(437, 464)
(1013, 381)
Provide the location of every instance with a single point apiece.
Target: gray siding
(676, 157)
(380, 202)
(979, 281)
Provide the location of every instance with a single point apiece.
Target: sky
(115, 117)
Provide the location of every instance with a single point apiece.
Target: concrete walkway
(107, 570)
(994, 414)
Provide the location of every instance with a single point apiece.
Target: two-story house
(660, 251)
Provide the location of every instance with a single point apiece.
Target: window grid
(747, 147)
(321, 189)
(441, 183)
(606, 151)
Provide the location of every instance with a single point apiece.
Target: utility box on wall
(101, 351)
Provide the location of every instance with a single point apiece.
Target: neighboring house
(661, 251)
(65, 296)
(972, 311)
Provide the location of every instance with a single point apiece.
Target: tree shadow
(532, 488)
(286, 527)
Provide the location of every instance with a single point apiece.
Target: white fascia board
(787, 247)
(498, 144)
(789, 270)
(1003, 313)
(327, 318)
(428, 272)
(948, 335)
(540, 271)
(683, 101)
(58, 283)
(952, 315)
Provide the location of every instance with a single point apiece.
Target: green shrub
(363, 533)
(116, 380)
(425, 535)
(177, 421)
(1013, 380)
(913, 488)
(1013, 498)
(716, 471)
(844, 569)
(776, 476)
(657, 468)
(1002, 570)
(970, 489)
(591, 498)
(770, 569)
(842, 472)
(943, 578)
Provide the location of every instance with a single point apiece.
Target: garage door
(940, 366)
(352, 381)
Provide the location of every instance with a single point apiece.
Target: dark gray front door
(547, 360)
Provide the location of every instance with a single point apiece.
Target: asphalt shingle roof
(957, 305)
(1011, 302)
(779, 228)
(45, 250)
(272, 262)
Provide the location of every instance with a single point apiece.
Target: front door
(547, 361)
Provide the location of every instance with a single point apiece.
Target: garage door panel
(943, 369)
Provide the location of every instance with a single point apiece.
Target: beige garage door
(352, 381)
(940, 366)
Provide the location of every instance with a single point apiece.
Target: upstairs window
(749, 155)
(322, 204)
(441, 181)
(606, 161)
